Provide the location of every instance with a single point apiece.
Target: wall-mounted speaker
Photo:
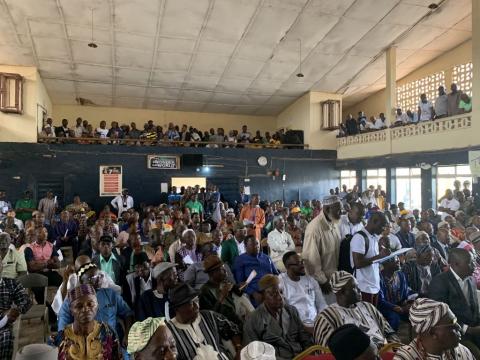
(192, 160)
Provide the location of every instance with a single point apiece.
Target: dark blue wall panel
(74, 169)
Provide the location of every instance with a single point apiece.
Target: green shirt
(307, 211)
(25, 204)
(229, 251)
(195, 207)
(107, 266)
(467, 107)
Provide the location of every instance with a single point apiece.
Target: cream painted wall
(43, 103)
(305, 114)
(23, 128)
(375, 104)
(318, 138)
(202, 121)
(296, 116)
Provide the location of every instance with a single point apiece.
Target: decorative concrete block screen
(462, 76)
(408, 95)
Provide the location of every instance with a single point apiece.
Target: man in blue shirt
(407, 239)
(251, 260)
(110, 304)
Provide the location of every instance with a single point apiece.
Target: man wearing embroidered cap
(86, 338)
(151, 339)
(110, 304)
(438, 334)
(321, 247)
(349, 309)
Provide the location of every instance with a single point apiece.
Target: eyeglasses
(453, 324)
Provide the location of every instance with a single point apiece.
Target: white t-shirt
(368, 277)
(305, 295)
(379, 123)
(426, 110)
(453, 205)
(347, 228)
(103, 132)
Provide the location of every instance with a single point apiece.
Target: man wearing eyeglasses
(300, 290)
(457, 289)
(438, 334)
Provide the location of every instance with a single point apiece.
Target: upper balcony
(448, 133)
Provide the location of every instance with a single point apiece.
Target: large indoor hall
(239, 180)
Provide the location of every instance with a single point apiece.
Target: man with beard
(321, 246)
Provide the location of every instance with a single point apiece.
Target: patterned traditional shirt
(363, 314)
(414, 351)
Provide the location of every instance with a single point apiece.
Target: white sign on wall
(474, 161)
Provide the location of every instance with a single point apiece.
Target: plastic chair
(308, 353)
(38, 311)
(386, 352)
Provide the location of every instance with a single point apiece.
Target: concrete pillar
(476, 76)
(391, 84)
(427, 187)
(476, 61)
(448, 78)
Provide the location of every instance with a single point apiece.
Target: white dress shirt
(305, 295)
(122, 204)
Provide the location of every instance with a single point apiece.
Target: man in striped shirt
(438, 334)
(349, 309)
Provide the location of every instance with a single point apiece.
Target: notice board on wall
(163, 162)
(110, 180)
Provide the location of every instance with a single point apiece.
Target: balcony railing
(432, 127)
(163, 143)
(453, 123)
(367, 137)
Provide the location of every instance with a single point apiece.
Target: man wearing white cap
(122, 202)
(155, 302)
(321, 247)
(438, 334)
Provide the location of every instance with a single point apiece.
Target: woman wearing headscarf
(86, 338)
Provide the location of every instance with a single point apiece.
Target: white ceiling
(229, 56)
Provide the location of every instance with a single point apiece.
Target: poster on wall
(110, 180)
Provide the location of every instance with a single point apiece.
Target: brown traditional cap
(211, 263)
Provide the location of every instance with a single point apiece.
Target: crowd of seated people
(83, 132)
(201, 278)
(454, 103)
